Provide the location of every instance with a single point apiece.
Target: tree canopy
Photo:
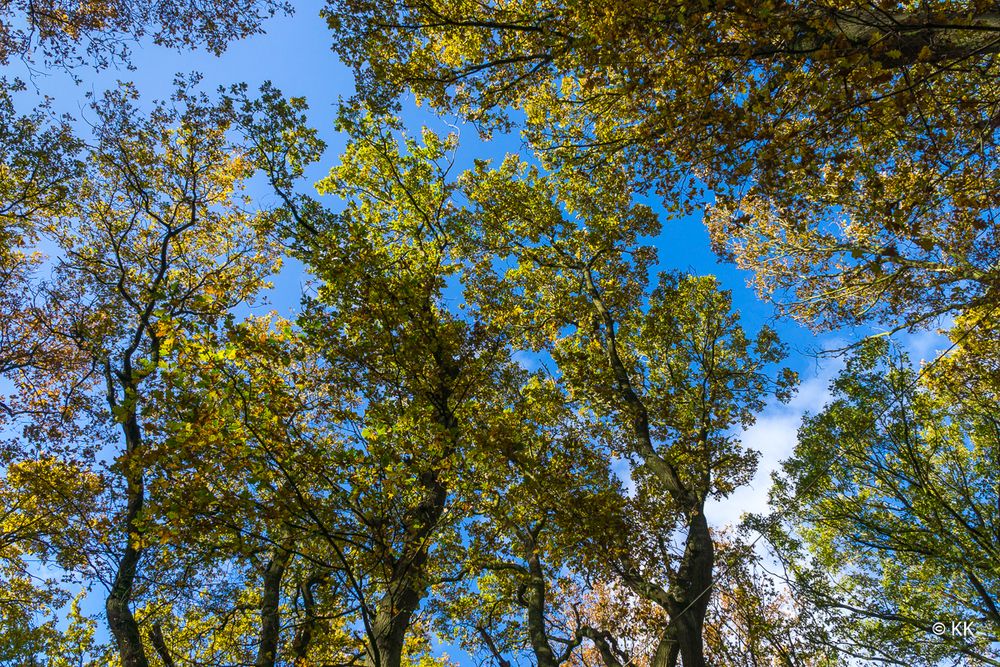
(849, 148)
(492, 418)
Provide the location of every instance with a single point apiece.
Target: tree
(889, 514)
(36, 151)
(850, 147)
(37, 163)
(414, 372)
(30, 603)
(545, 482)
(158, 241)
(672, 378)
(251, 464)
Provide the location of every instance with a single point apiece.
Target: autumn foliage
(497, 424)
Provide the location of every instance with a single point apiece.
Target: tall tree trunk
(689, 589)
(534, 602)
(407, 585)
(393, 615)
(117, 605)
(691, 592)
(667, 650)
(270, 614)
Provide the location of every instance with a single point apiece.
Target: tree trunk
(392, 619)
(667, 650)
(407, 583)
(121, 621)
(535, 605)
(691, 592)
(270, 615)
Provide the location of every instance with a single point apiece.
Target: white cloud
(774, 436)
(925, 346)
